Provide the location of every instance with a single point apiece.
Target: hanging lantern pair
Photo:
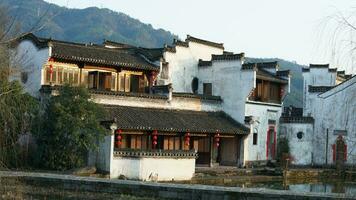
(154, 138)
(118, 138)
(51, 66)
(217, 140)
(187, 139)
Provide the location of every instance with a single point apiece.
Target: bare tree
(17, 109)
(337, 39)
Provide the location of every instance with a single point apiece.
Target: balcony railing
(155, 153)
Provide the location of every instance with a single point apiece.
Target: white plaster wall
(336, 111)
(178, 103)
(300, 149)
(229, 82)
(30, 60)
(321, 76)
(262, 113)
(183, 64)
(165, 169)
(315, 77)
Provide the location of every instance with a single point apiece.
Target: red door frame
(273, 150)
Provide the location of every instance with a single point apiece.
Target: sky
(298, 30)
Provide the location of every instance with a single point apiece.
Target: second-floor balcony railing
(138, 153)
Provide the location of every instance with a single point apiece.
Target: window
(127, 83)
(254, 141)
(172, 143)
(101, 80)
(135, 83)
(164, 72)
(275, 92)
(59, 75)
(300, 135)
(122, 82)
(113, 82)
(207, 89)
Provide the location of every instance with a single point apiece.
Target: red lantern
(217, 140)
(51, 69)
(187, 139)
(118, 138)
(155, 137)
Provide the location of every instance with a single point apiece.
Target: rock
(85, 171)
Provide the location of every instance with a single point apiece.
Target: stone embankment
(72, 185)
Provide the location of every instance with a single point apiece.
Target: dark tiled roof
(145, 119)
(266, 75)
(319, 66)
(228, 52)
(249, 66)
(319, 88)
(152, 54)
(340, 72)
(197, 96)
(171, 49)
(180, 43)
(228, 56)
(305, 69)
(273, 64)
(100, 55)
(39, 42)
(94, 54)
(205, 42)
(261, 65)
(203, 63)
(332, 69)
(283, 72)
(117, 44)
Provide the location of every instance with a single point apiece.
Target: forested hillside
(84, 25)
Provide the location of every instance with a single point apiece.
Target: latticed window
(165, 72)
(58, 75)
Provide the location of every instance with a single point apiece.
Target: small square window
(207, 89)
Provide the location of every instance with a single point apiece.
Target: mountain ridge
(91, 24)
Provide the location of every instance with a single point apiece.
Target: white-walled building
(153, 128)
(324, 132)
(251, 93)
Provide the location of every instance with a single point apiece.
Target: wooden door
(204, 154)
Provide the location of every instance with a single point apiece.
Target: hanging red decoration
(187, 139)
(51, 69)
(281, 92)
(118, 138)
(155, 137)
(217, 140)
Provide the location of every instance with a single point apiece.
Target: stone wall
(156, 190)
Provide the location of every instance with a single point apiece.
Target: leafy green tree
(17, 111)
(69, 128)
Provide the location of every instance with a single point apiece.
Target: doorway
(271, 143)
(202, 145)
